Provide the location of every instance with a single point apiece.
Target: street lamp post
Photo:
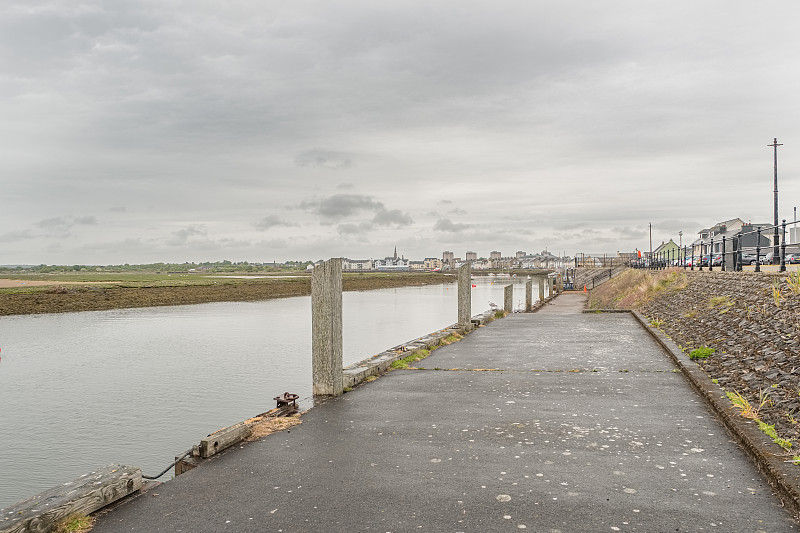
(775, 252)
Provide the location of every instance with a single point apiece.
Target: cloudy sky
(139, 131)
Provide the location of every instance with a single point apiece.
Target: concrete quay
(555, 421)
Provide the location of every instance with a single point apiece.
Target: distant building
(392, 264)
(447, 257)
(357, 265)
(471, 256)
(728, 229)
(495, 256)
(520, 254)
(432, 263)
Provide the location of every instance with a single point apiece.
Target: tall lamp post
(775, 252)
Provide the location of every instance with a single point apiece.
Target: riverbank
(746, 326)
(62, 295)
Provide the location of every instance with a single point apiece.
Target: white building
(357, 265)
(392, 264)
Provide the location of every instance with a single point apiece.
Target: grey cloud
(342, 205)
(66, 222)
(345, 186)
(445, 224)
(674, 226)
(182, 236)
(13, 236)
(630, 233)
(352, 229)
(272, 243)
(271, 221)
(457, 211)
(55, 222)
(323, 159)
(395, 217)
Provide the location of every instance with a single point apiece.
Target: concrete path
(581, 424)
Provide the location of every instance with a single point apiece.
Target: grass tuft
(701, 353)
(74, 523)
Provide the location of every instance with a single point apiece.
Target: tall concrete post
(550, 286)
(326, 328)
(508, 298)
(529, 296)
(542, 281)
(465, 296)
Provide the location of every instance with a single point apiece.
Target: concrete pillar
(465, 296)
(508, 298)
(549, 286)
(326, 328)
(529, 296)
(541, 280)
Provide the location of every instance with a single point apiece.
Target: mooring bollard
(508, 298)
(465, 297)
(326, 328)
(529, 296)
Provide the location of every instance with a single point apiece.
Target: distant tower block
(448, 257)
(471, 256)
(495, 255)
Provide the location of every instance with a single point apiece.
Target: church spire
(395, 252)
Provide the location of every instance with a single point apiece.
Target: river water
(79, 391)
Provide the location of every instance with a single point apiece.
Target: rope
(167, 468)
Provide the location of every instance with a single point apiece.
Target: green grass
(701, 353)
(405, 362)
(74, 523)
(419, 355)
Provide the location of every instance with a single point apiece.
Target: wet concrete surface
(582, 426)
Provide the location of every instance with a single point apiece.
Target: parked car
(717, 261)
(766, 259)
(793, 259)
(748, 258)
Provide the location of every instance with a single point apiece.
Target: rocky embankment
(752, 320)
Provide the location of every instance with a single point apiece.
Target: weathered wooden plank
(224, 438)
(83, 495)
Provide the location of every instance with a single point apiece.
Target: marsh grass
(633, 288)
(793, 281)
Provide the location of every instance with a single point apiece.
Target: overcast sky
(137, 131)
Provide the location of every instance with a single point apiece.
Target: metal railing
(598, 260)
(751, 247)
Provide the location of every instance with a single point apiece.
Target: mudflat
(33, 296)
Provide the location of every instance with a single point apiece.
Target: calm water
(139, 386)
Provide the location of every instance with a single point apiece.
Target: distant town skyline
(142, 132)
